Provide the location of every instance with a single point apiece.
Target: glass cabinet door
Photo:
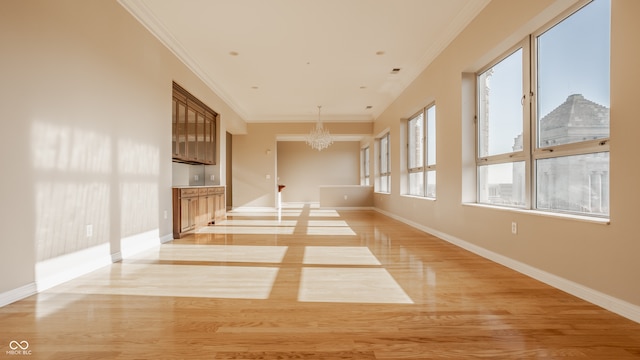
(191, 134)
(201, 137)
(208, 139)
(174, 127)
(181, 129)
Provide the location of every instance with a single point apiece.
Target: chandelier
(319, 137)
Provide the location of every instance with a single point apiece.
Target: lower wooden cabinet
(195, 207)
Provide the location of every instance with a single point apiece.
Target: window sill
(590, 219)
(382, 193)
(418, 197)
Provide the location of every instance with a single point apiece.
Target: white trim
(16, 294)
(166, 238)
(55, 271)
(138, 243)
(145, 16)
(608, 302)
(303, 137)
(551, 214)
(345, 186)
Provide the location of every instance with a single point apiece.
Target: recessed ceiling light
(369, 107)
(233, 53)
(255, 87)
(363, 87)
(395, 70)
(379, 52)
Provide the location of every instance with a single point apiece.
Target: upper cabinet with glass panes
(193, 129)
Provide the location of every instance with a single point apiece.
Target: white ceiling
(277, 60)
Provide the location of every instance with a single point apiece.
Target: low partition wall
(346, 196)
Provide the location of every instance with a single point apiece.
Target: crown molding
(141, 12)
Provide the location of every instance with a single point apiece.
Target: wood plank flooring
(312, 284)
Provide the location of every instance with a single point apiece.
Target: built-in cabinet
(193, 128)
(188, 209)
(195, 207)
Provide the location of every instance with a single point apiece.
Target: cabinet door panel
(184, 215)
(220, 210)
(193, 212)
(192, 135)
(208, 141)
(203, 220)
(181, 130)
(211, 208)
(201, 144)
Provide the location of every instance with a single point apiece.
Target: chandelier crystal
(319, 137)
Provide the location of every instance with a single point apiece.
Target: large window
(421, 153)
(366, 174)
(384, 166)
(543, 118)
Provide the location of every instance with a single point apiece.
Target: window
(384, 179)
(501, 124)
(421, 153)
(365, 166)
(543, 119)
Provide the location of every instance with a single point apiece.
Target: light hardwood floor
(312, 284)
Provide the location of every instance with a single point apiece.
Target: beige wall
(255, 158)
(303, 170)
(85, 111)
(346, 196)
(600, 257)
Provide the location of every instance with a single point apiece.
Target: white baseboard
(55, 271)
(166, 238)
(138, 243)
(20, 293)
(613, 304)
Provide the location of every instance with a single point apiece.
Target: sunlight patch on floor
(227, 282)
(263, 214)
(247, 230)
(322, 230)
(350, 285)
(217, 253)
(328, 223)
(257, 222)
(339, 255)
(323, 213)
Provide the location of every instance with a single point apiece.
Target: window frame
(384, 174)
(514, 156)
(531, 151)
(366, 169)
(585, 147)
(423, 167)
